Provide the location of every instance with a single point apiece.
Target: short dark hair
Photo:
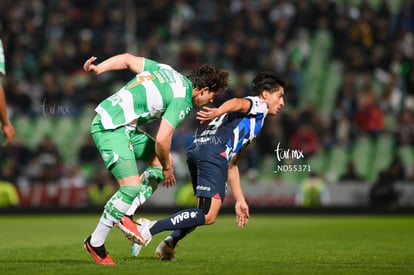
(267, 80)
(208, 76)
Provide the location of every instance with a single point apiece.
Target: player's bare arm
(241, 207)
(6, 125)
(231, 105)
(118, 62)
(162, 150)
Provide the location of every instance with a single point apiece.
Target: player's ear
(204, 90)
(265, 94)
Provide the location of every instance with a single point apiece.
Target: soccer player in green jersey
(6, 126)
(156, 92)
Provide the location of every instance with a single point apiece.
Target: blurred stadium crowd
(349, 67)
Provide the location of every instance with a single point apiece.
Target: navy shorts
(208, 169)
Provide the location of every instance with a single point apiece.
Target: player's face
(204, 97)
(275, 101)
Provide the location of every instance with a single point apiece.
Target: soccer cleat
(144, 226)
(136, 248)
(165, 250)
(129, 229)
(99, 254)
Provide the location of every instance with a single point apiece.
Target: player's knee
(210, 219)
(205, 205)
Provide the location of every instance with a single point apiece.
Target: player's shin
(179, 234)
(181, 220)
(119, 203)
(150, 179)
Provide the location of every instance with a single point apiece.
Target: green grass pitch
(270, 244)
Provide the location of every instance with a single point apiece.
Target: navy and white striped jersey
(235, 130)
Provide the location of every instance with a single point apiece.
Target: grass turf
(270, 244)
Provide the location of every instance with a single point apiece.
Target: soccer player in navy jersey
(212, 160)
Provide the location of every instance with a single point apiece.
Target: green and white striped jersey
(2, 60)
(159, 91)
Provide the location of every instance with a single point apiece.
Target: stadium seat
(42, 127)
(314, 79)
(362, 153)
(322, 42)
(331, 87)
(67, 127)
(382, 155)
(267, 167)
(390, 122)
(317, 161)
(86, 116)
(394, 4)
(290, 178)
(406, 153)
(337, 159)
(23, 127)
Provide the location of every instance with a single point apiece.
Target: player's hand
(88, 66)
(242, 213)
(170, 183)
(8, 131)
(169, 178)
(207, 114)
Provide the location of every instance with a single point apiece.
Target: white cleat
(144, 226)
(136, 249)
(165, 250)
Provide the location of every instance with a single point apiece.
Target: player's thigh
(214, 206)
(143, 145)
(214, 209)
(115, 148)
(208, 173)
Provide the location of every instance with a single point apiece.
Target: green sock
(119, 203)
(152, 177)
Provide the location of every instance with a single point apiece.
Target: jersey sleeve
(2, 61)
(150, 65)
(257, 106)
(177, 111)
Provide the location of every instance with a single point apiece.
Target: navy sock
(181, 220)
(179, 234)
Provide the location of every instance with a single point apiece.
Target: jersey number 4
(139, 79)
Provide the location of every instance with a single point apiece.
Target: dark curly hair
(266, 80)
(208, 76)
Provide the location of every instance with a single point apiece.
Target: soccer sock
(152, 176)
(114, 210)
(99, 235)
(181, 220)
(180, 234)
